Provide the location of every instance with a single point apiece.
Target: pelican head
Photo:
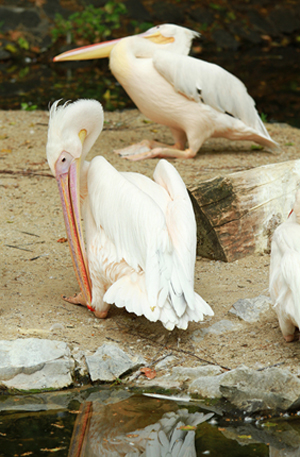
(73, 129)
(177, 39)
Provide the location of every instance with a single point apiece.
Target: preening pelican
(196, 99)
(285, 272)
(140, 234)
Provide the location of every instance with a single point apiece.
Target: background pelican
(285, 272)
(196, 99)
(141, 234)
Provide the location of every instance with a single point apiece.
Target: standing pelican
(285, 272)
(140, 234)
(196, 99)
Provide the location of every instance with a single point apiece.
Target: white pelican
(285, 272)
(140, 234)
(196, 99)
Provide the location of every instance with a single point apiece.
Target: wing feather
(152, 226)
(180, 217)
(133, 222)
(210, 84)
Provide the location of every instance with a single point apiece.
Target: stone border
(39, 364)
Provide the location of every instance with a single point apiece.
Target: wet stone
(243, 33)
(250, 390)
(162, 10)
(202, 15)
(137, 11)
(262, 24)
(225, 40)
(10, 18)
(4, 55)
(285, 20)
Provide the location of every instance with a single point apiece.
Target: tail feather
(269, 144)
(130, 292)
(125, 293)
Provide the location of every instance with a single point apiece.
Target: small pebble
(56, 326)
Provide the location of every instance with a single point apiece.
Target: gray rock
(218, 328)
(4, 55)
(110, 362)
(250, 309)
(207, 387)
(192, 377)
(201, 15)
(225, 40)
(285, 20)
(262, 24)
(251, 390)
(184, 374)
(173, 12)
(33, 363)
(137, 10)
(207, 383)
(80, 362)
(164, 363)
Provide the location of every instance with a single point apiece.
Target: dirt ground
(36, 269)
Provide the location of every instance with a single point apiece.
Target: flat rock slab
(110, 362)
(33, 363)
(201, 380)
(218, 328)
(251, 390)
(250, 309)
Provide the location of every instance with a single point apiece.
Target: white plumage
(140, 234)
(196, 99)
(285, 272)
(136, 427)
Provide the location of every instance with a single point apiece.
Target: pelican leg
(287, 328)
(147, 149)
(289, 338)
(163, 152)
(78, 299)
(144, 147)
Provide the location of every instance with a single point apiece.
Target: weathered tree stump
(237, 214)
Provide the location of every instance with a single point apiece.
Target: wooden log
(237, 214)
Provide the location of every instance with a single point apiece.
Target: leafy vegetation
(28, 107)
(140, 27)
(91, 25)
(263, 117)
(23, 43)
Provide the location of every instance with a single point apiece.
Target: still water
(272, 77)
(95, 422)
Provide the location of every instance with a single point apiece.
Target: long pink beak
(93, 51)
(68, 184)
(101, 50)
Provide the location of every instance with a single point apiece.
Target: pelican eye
(63, 159)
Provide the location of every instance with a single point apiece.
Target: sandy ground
(36, 269)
